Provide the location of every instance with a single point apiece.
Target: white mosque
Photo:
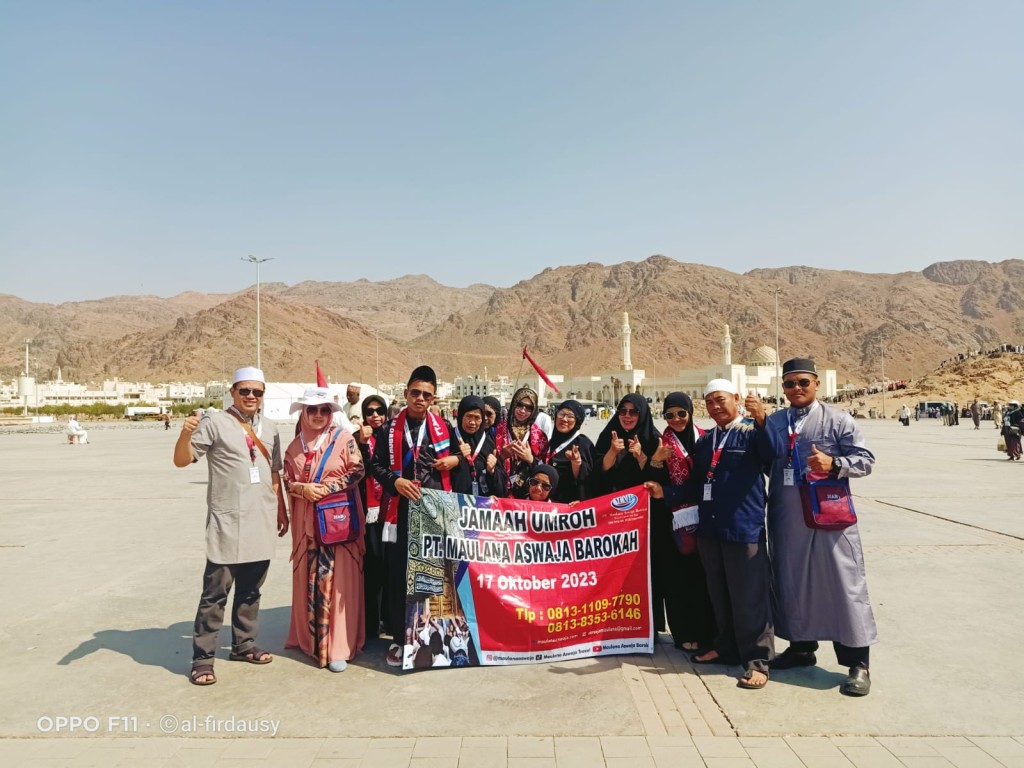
(757, 374)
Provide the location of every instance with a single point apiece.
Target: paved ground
(101, 556)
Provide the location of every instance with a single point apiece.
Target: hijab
(688, 437)
(370, 400)
(520, 430)
(578, 412)
(550, 472)
(644, 429)
(469, 404)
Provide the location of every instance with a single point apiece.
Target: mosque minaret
(627, 364)
(727, 348)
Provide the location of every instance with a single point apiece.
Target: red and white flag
(321, 380)
(540, 371)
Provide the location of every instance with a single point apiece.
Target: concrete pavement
(101, 554)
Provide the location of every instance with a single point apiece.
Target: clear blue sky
(146, 146)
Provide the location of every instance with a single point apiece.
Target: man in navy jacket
(727, 482)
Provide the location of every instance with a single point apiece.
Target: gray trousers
(739, 583)
(217, 580)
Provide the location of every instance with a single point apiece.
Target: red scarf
(680, 462)
(537, 439)
(374, 491)
(439, 438)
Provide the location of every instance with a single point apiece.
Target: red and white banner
(502, 581)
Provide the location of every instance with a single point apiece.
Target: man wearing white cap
(727, 482)
(351, 408)
(244, 508)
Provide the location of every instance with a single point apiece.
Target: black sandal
(253, 655)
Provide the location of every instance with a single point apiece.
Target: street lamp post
(778, 354)
(253, 260)
(882, 348)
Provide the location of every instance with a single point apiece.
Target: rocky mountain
(569, 316)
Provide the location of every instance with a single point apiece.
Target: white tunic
(820, 589)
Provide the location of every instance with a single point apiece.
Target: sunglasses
(540, 484)
(245, 392)
(490, 414)
(416, 394)
(376, 411)
(792, 383)
(628, 412)
(673, 415)
(321, 410)
(525, 406)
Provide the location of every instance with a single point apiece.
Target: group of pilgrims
(711, 580)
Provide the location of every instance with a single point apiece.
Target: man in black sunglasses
(818, 575)
(413, 452)
(245, 506)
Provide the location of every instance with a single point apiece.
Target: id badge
(787, 476)
(476, 488)
(254, 475)
(707, 491)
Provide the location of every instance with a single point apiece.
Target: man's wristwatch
(836, 466)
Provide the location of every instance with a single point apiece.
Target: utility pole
(778, 354)
(882, 347)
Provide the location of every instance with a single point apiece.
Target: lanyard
(717, 453)
(311, 452)
(257, 428)
(415, 448)
(794, 429)
(555, 451)
(479, 445)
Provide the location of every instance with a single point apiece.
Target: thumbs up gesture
(755, 408)
(464, 447)
(818, 461)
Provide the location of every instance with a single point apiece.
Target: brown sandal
(747, 680)
(201, 670)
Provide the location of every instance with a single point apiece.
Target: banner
(504, 581)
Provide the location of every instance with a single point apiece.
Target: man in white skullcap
(727, 484)
(245, 506)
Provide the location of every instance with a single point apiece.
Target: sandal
(253, 655)
(202, 670)
(747, 680)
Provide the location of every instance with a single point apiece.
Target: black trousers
(679, 589)
(739, 582)
(374, 580)
(846, 655)
(217, 580)
(397, 557)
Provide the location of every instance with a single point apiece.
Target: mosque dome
(764, 356)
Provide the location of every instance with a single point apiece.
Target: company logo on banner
(505, 581)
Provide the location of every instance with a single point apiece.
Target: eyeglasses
(673, 415)
(376, 411)
(628, 412)
(319, 410)
(791, 383)
(245, 392)
(537, 483)
(566, 416)
(525, 406)
(416, 394)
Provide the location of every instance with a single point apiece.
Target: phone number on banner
(562, 618)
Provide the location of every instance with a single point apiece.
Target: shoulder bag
(827, 504)
(339, 514)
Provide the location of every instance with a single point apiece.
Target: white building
(758, 374)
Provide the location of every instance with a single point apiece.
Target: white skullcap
(720, 385)
(248, 374)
